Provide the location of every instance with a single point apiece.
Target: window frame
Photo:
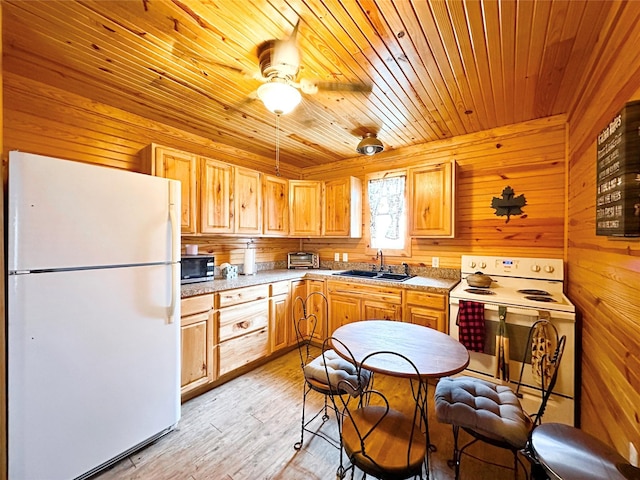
(369, 250)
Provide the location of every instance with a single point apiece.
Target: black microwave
(196, 268)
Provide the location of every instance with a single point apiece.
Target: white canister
(191, 249)
(249, 267)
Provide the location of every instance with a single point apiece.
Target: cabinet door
(216, 197)
(298, 289)
(198, 360)
(305, 208)
(376, 310)
(318, 307)
(248, 201)
(427, 318)
(343, 208)
(344, 309)
(279, 322)
(276, 205)
(177, 165)
(432, 194)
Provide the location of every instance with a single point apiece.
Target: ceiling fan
(279, 62)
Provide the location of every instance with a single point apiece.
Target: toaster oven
(303, 260)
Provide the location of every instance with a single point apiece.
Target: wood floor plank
(245, 429)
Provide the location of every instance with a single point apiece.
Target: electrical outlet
(336, 257)
(345, 257)
(435, 262)
(633, 454)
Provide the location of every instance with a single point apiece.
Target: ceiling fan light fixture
(369, 145)
(279, 97)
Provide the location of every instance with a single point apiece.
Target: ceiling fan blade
(310, 87)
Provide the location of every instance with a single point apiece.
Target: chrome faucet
(379, 256)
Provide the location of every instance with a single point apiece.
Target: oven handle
(534, 312)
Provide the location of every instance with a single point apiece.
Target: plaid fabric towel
(470, 323)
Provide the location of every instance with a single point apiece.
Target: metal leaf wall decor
(509, 204)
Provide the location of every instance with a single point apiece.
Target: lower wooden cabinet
(279, 316)
(427, 309)
(198, 349)
(350, 302)
(243, 334)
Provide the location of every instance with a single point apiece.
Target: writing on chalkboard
(618, 175)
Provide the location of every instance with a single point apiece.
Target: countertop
(428, 284)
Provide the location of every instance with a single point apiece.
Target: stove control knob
(548, 268)
(472, 264)
(483, 265)
(535, 268)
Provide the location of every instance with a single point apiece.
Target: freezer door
(93, 367)
(65, 214)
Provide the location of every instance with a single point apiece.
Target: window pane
(387, 208)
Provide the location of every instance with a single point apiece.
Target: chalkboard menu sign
(618, 193)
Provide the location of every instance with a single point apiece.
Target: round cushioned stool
(567, 453)
(489, 409)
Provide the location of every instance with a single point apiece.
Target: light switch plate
(435, 262)
(345, 257)
(633, 454)
(336, 257)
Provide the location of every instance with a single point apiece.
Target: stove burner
(532, 291)
(537, 298)
(479, 291)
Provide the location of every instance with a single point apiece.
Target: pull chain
(277, 145)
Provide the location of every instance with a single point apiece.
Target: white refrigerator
(93, 315)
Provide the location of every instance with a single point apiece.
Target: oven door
(519, 321)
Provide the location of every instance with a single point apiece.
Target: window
(387, 212)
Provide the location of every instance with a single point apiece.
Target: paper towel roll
(249, 261)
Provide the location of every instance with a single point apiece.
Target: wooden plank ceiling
(437, 68)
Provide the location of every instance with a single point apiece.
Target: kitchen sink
(394, 277)
(358, 273)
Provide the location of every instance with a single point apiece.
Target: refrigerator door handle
(173, 186)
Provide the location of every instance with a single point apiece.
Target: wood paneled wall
(46, 120)
(529, 157)
(3, 356)
(604, 273)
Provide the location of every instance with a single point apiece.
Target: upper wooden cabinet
(343, 208)
(305, 208)
(275, 205)
(176, 165)
(432, 194)
(216, 197)
(248, 201)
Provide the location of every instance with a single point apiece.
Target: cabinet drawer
(425, 299)
(241, 295)
(239, 351)
(191, 305)
(379, 293)
(279, 288)
(242, 319)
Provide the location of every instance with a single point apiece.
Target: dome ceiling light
(369, 145)
(279, 96)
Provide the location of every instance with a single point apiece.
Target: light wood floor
(246, 428)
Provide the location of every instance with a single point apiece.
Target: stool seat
(487, 408)
(568, 453)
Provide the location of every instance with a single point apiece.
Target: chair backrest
(310, 317)
(546, 357)
(383, 434)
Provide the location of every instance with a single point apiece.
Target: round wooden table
(568, 453)
(435, 354)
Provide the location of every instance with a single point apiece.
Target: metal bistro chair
(314, 366)
(383, 435)
(492, 413)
